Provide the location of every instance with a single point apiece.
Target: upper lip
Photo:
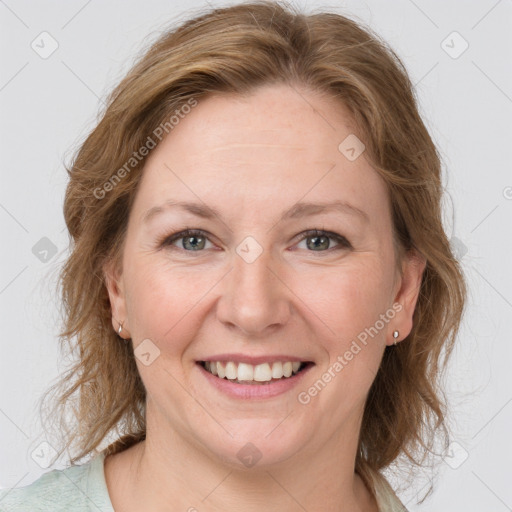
(254, 360)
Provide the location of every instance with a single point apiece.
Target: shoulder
(77, 488)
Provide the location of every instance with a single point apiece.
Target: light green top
(83, 489)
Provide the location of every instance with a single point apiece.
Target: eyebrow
(298, 210)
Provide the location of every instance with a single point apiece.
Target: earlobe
(413, 267)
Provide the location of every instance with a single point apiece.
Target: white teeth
(231, 370)
(277, 370)
(245, 372)
(264, 372)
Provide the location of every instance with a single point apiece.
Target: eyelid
(340, 239)
(173, 237)
(342, 242)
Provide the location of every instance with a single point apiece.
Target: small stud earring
(395, 336)
(120, 329)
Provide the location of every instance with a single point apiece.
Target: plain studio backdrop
(60, 59)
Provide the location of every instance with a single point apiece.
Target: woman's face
(252, 286)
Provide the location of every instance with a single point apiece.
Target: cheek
(163, 299)
(165, 302)
(350, 297)
(351, 302)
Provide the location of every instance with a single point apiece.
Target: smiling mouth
(265, 373)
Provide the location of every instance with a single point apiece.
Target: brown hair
(234, 50)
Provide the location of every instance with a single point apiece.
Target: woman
(260, 287)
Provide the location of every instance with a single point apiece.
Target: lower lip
(254, 391)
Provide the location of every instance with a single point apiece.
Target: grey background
(48, 105)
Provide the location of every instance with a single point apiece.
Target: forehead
(268, 150)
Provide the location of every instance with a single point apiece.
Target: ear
(409, 284)
(116, 292)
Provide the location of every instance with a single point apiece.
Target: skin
(253, 158)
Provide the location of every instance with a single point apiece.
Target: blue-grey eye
(320, 241)
(191, 240)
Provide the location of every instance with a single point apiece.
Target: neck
(170, 472)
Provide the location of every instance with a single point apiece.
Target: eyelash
(341, 240)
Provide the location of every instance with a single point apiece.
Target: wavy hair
(235, 50)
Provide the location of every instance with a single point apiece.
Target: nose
(255, 300)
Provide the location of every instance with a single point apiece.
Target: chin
(255, 443)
